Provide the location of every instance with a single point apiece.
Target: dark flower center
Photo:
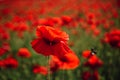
(51, 43)
(9, 66)
(64, 59)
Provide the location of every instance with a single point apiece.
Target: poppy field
(59, 39)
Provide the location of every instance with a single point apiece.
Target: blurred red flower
(3, 34)
(86, 75)
(113, 38)
(90, 76)
(24, 52)
(10, 62)
(93, 62)
(37, 69)
(50, 41)
(4, 48)
(9, 25)
(18, 19)
(2, 51)
(46, 22)
(67, 61)
(95, 75)
(21, 27)
(86, 53)
(96, 32)
(54, 65)
(66, 19)
(1, 63)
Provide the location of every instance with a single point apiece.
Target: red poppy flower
(24, 52)
(40, 70)
(86, 53)
(51, 34)
(96, 32)
(66, 19)
(90, 22)
(67, 61)
(46, 22)
(94, 62)
(4, 48)
(2, 51)
(54, 66)
(57, 20)
(50, 41)
(95, 75)
(90, 76)
(10, 62)
(113, 38)
(4, 34)
(90, 16)
(1, 63)
(9, 25)
(17, 19)
(21, 27)
(86, 75)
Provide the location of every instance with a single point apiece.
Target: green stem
(63, 75)
(48, 67)
(63, 71)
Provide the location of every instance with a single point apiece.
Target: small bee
(93, 51)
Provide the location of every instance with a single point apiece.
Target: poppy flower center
(51, 43)
(9, 66)
(64, 59)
